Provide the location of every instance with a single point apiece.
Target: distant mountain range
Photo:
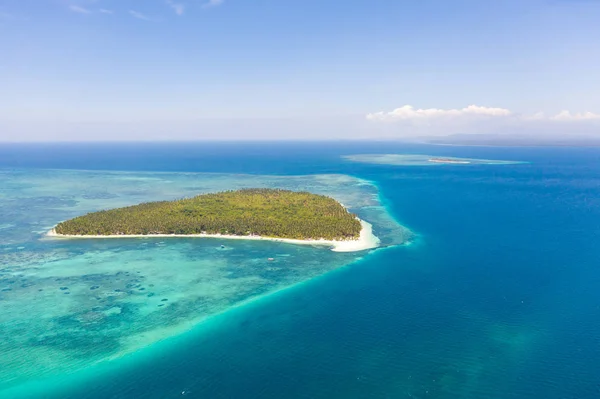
(514, 140)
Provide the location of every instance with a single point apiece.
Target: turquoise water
(495, 297)
(70, 303)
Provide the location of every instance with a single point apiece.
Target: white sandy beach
(366, 240)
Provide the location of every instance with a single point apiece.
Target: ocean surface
(487, 285)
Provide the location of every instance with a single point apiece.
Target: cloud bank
(408, 113)
(582, 116)
(408, 121)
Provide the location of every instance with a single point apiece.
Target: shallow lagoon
(70, 304)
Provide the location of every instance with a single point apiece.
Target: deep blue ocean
(497, 297)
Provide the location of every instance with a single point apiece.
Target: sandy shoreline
(365, 241)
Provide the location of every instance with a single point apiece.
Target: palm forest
(258, 212)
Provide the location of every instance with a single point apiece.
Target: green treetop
(263, 212)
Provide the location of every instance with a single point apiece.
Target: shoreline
(366, 240)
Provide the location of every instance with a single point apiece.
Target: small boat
(222, 246)
(271, 259)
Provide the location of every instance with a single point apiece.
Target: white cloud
(79, 9)
(567, 116)
(408, 112)
(179, 8)
(105, 11)
(139, 15)
(213, 3)
(408, 121)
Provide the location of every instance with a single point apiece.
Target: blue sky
(231, 69)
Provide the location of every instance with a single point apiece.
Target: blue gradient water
(497, 298)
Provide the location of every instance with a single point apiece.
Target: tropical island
(258, 213)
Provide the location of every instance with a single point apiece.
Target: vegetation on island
(263, 212)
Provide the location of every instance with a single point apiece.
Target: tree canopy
(264, 212)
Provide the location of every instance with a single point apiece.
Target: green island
(249, 212)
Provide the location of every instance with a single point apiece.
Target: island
(422, 160)
(257, 213)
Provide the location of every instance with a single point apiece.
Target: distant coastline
(511, 140)
(366, 240)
